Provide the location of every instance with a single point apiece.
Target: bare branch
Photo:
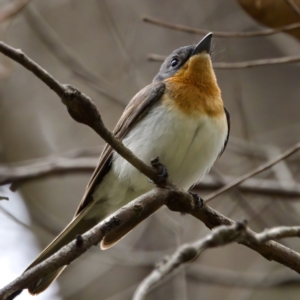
(258, 62)
(80, 107)
(222, 34)
(294, 6)
(13, 218)
(242, 64)
(232, 278)
(46, 167)
(49, 37)
(270, 250)
(221, 236)
(60, 165)
(139, 208)
(256, 171)
(4, 198)
(277, 233)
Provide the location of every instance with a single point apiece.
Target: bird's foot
(197, 200)
(162, 171)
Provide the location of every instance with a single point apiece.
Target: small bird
(180, 118)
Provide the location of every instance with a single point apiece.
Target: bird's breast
(188, 146)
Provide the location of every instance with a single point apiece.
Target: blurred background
(103, 47)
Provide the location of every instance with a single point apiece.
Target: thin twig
(258, 62)
(4, 198)
(293, 6)
(14, 219)
(223, 34)
(254, 172)
(242, 64)
(80, 107)
(231, 278)
(221, 236)
(50, 38)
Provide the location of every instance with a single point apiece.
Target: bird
(180, 118)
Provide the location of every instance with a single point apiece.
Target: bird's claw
(197, 199)
(161, 169)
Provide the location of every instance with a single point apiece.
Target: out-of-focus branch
(46, 167)
(56, 166)
(11, 9)
(232, 278)
(221, 236)
(223, 34)
(4, 198)
(294, 6)
(80, 107)
(49, 37)
(256, 171)
(242, 64)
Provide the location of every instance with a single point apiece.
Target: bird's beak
(203, 45)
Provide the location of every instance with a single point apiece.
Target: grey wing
(228, 131)
(135, 110)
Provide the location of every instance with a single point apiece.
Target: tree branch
(222, 34)
(242, 64)
(240, 279)
(49, 37)
(293, 6)
(80, 107)
(23, 172)
(256, 171)
(221, 236)
(139, 208)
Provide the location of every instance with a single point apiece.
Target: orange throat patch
(194, 90)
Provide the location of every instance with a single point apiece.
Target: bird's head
(189, 73)
(192, 63)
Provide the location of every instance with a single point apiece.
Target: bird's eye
(174, 62)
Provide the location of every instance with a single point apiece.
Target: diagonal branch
(221, 236)
(293, 6)
(80, 107)
(49, 37)
(141, 208)
(256, 171)
(82, 110)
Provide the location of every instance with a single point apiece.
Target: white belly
(187, 146)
